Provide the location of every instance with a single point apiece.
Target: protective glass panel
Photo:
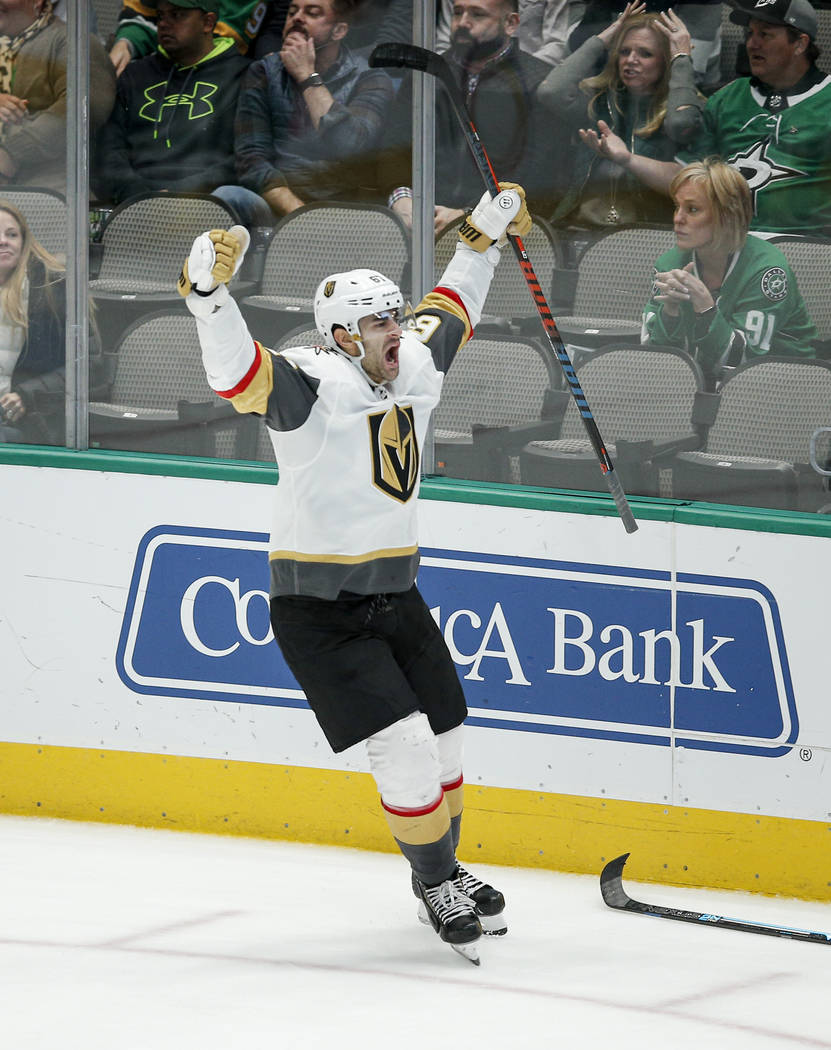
(688, 407)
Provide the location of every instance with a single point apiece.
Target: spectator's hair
(347, 10)
(12, 299)
(607, 84)
(811, 51)
(728, 194)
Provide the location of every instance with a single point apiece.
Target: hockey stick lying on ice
(409, 56)
(611, 887)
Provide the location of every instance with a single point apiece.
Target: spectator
(645, 93)
(702, 20)
(310, 116)
(32, 335)
(33, 94)
(499, 82)
(719, 294)
(172, 128)
(135, 34)
(543, 29)
(773, 127)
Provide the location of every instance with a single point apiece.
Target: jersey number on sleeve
(425, 326)
(759, 327)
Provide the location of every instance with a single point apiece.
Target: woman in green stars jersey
(720, 294)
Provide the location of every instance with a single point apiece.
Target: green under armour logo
(197, 101)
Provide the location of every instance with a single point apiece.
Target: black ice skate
(452, 915)
(490, 904)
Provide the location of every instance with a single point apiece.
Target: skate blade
(469, 952)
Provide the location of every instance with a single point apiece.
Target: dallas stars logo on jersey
(785, 156)
(395, 455)
(760, 169)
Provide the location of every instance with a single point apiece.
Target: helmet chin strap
(358, 340)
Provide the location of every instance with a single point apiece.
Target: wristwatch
(315, 80)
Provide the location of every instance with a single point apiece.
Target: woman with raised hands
(644, 101)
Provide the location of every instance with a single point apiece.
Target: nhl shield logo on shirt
(395, 455)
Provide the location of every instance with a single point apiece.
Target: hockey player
(347, 420)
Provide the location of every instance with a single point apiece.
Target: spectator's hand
(214, 259)
(12, 108)
(298, 56)
(680, 42)
(442, 217)
(635, 7)
(13, 408)
(682, 286)
(120, 56)
(403, 208)
(605, 142)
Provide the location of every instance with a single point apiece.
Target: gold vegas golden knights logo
(329, 288)
(394, 451)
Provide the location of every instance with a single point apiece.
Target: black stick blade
(398, 54)
(611, 883)
(613, 893)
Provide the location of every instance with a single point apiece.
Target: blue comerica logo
(541, 646)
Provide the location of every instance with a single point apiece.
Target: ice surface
(134, 939)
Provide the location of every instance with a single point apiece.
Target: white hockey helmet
(344, 298)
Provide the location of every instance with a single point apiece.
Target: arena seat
(143, 245)
(757, 451)
(312, 242)
(499, 393)
(649, 404)
(810, 261)
(610, 287)
(160, 400)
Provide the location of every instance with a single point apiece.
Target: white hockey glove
(493, 217)
(214, 259)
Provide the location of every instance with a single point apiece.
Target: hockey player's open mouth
(391, 356)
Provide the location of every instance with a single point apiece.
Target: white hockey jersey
(348, 451)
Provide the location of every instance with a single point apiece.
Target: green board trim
(714, 515)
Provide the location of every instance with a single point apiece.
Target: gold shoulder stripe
(437, 301)
(254, 398)
(343, 559)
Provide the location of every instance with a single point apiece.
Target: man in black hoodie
(172, 128)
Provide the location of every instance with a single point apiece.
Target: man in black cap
(773, 126)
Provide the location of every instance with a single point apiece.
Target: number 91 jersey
(759, 311)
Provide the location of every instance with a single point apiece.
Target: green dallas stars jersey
(759, 310)
(785, 156)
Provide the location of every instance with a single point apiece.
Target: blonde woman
(645, 95)
(32, 335)
(720, 294)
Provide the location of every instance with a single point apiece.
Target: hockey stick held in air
(611, 888)
(402, 55)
